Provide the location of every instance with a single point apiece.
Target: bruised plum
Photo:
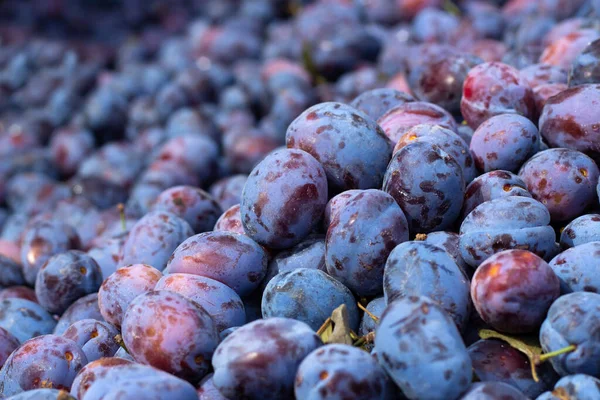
(563, 180)
(428, 185)
(65, 278)
(230, 258)
(360, 238)
(119, 290)
(193, 205)
(284, 198)
(576, 386)
(504, 142)
(447, 140)
(568, 120)
(230, 221)
(96, 338)
(44, 361)
(259, 360)
(512, 291)
(577, 268)
(307, 295)
(153, 239)
(581, 230)
(494, 88)
(349, 144)
(421, 349)
(513, 222)
(169, 332)
(338, 371)
(441, 81)
(219, 300)
(490, 186)
(397, 121)
(421, 269)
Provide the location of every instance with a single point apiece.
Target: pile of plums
(299, 199)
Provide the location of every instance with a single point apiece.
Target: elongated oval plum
(564, 180)
(360, 237)
(577, 268)
(230, 258)
(421, 349)
(505, 223)
(422, 269)
(447, 140)
(428, 185)
(259, 360)
(512, 291)
(307, 295)
(573, 320)
(349, 144)
(283, 198)
(170, 332)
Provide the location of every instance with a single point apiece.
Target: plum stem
(546, 356)
(121, 209)
(369, 313)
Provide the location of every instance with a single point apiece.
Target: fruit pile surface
(300, 199)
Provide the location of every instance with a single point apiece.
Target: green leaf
(450, 7)
(309, 64)
(526, 344)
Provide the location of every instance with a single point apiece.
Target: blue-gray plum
(574, 319)
(360, 238)
(421, 269)
(307, 295)
(420, 347)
